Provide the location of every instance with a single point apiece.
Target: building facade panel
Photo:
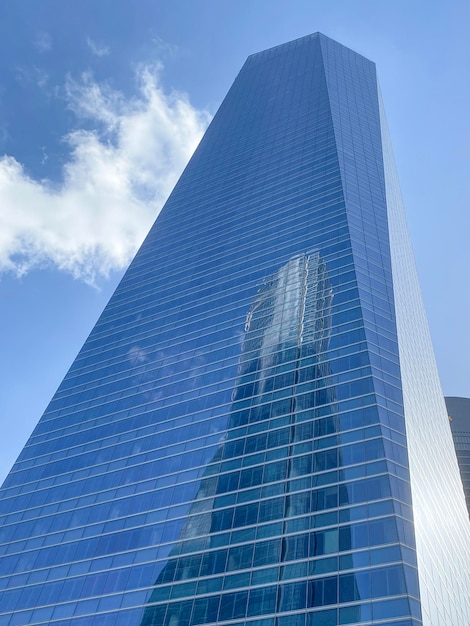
(459, 416)
(440, 516)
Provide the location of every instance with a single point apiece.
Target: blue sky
(101, 104)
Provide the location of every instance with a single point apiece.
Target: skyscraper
(459, 413)
(254, 431)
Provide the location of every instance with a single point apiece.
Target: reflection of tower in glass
(257, 481)
(290, 318)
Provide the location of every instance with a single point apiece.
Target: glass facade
(459, 415)
(232, 444)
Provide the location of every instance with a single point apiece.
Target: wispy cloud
(97, 49)
(114, 184)
(164, 48)
(43, 42)
(32, 75)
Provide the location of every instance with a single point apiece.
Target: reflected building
(459, 414)
(285, 346)
(254, 432)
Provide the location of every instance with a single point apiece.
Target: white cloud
(97, 49)
(32, 76)
(164, 47)
(114, 184)
(43, 42)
